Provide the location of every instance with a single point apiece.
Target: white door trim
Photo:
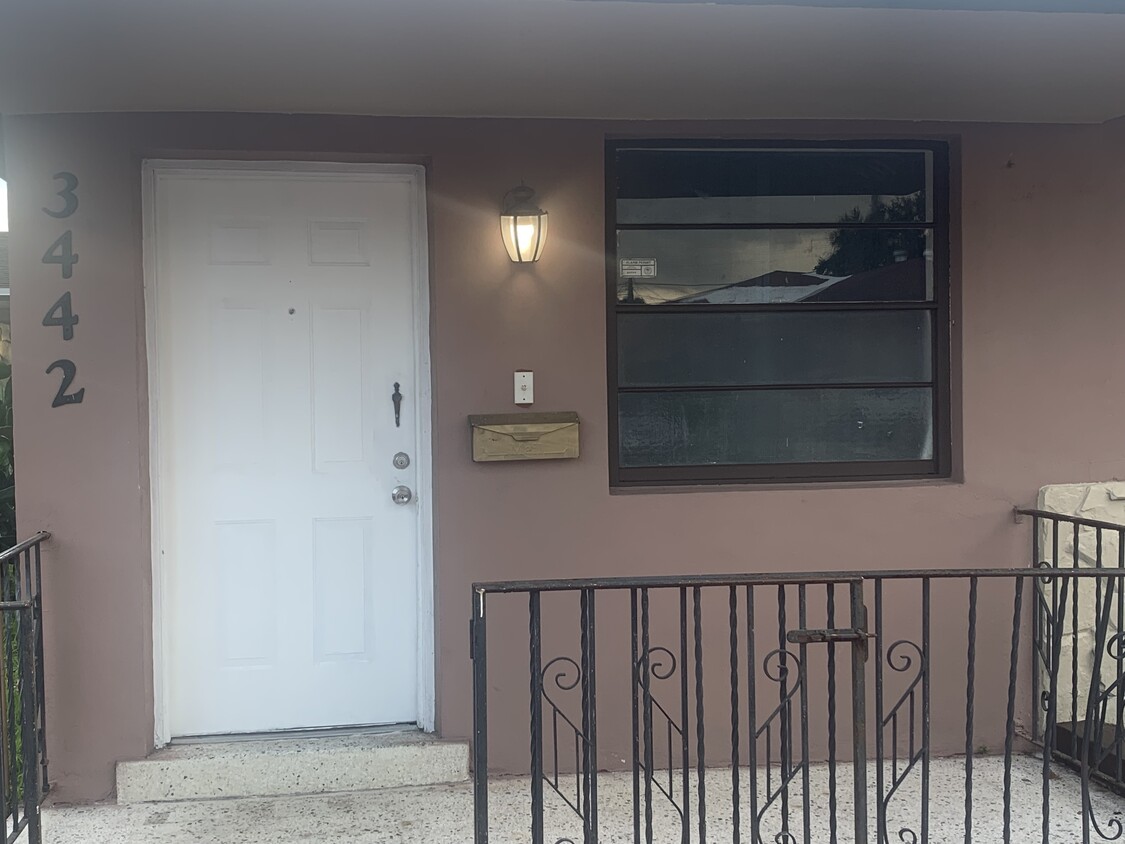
(152, 171)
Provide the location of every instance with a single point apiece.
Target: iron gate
(765, 708)
(23, 708)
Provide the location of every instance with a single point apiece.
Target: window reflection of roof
(787, 287)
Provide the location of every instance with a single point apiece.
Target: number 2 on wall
(69, 370)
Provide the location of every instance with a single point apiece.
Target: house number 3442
(61, 314)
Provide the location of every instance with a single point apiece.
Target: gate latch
(824, 636)
(838, 634)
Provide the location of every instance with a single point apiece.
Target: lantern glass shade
(523, 226)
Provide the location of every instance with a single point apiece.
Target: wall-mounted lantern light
(523, 225)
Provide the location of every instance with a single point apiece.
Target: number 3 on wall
(69, 370)
(69, 197)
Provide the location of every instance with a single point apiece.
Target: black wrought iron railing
(771, 708)
(23, 734)
(1087, 671)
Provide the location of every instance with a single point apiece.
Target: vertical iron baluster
(1075, 562)
(583, 768)
(23, 564)
(11, 629)
(832, 831)
(1096, 684)
(685, 742)
(736, 819)
(1101, 626)
(12, 723)
(1036, 630)
(1120, 698)
(535, 632)
(802, 618)
(633, 687)
(589, 719)
(1057, 632)
(7, 683)
(646, 713)
(592, 734)
(880, 808)
(859, 715)
(752, 717)
(27, 705)
(40, 675)
(1010, 724)
(701, 757)
(783, 702)
(1056, 618)
(970, 693)
(479, 652)
(925, 710)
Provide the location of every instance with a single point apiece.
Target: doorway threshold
(275, 765)
(299, 733)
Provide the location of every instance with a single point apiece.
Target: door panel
(284, 318)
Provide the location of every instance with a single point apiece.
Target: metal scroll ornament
(903, 657)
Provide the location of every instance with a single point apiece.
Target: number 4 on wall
(61, 315)
(62, 252)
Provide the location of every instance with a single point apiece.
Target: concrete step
(274, 767)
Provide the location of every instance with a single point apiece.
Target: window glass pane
(748, 349)
(775, 426)
(779, 266)
(772, 186)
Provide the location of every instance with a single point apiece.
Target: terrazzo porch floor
(444, 814)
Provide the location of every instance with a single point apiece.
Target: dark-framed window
(777, 311)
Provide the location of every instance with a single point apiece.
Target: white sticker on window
(638, 268)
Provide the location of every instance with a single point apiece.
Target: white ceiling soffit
(1102, 6)
(567, 58)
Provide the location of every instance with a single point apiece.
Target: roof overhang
(634, 59)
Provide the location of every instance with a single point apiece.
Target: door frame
(152, 171)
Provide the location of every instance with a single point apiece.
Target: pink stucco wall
(1039, 389)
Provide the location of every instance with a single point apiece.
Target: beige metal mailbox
(524, 436)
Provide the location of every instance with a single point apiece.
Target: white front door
(284, 319)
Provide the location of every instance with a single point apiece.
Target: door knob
(401, 495)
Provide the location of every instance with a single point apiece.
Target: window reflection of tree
(857, 249)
